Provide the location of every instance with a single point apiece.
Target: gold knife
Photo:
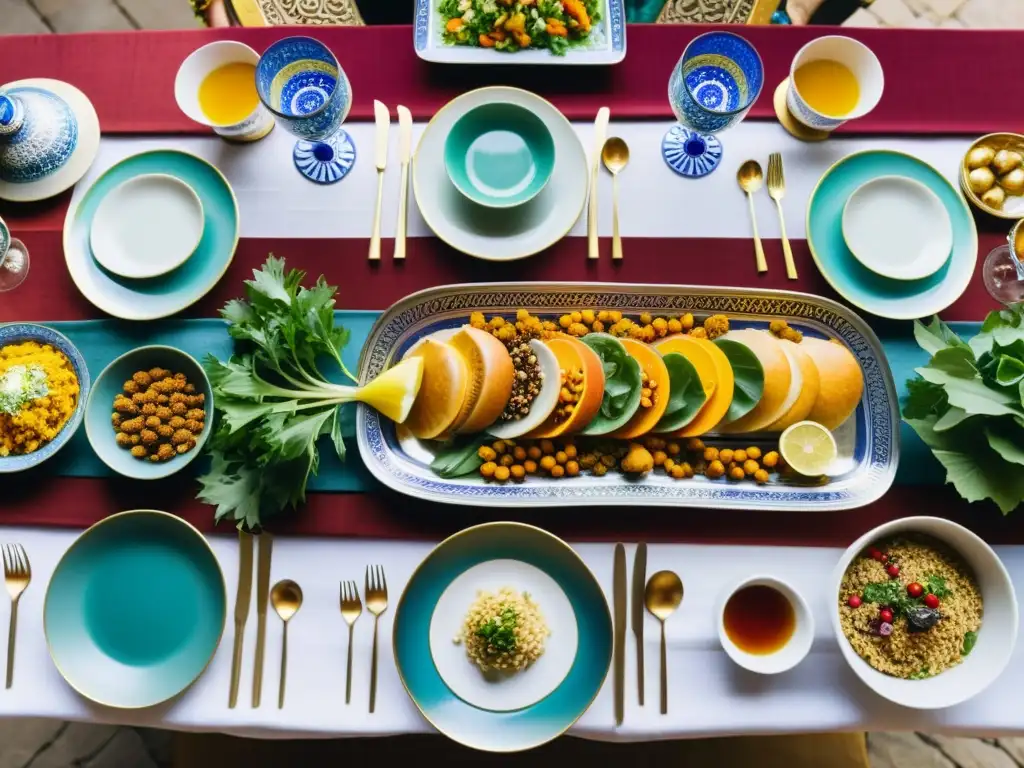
(247, 13)
(241, 610)
(637, 612)
(600, 130)
(404, 156)
(382, 118)
(619, 594)
(262, 600)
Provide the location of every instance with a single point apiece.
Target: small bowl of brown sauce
(765, 626)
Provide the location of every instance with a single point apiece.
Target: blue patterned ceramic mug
(853, 55)
(301, 82)
(194, 69)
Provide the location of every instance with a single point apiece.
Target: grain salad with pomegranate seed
(910, 607)
(503, 631)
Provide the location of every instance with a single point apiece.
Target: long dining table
(675, 230)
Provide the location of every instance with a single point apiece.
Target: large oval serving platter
(868, 441)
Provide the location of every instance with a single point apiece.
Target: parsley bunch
(501, 634)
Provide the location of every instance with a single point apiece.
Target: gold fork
(777, 190)
(17, 575)
(376, 603)
(351, 609)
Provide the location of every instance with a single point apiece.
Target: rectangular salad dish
(517, 32)
(584, 394)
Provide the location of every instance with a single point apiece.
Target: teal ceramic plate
(110, 383)
(135, 609)
(897, 299)
(164, 295)
(499, 155)
(510, 712)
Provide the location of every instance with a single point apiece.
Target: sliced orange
(715, 376)
(644, 419)
(442, 389)
(573, 353)
(490, 379)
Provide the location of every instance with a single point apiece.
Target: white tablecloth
(708, 694)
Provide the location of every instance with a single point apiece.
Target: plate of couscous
(502, 637)
(520, 31)
(44, 383)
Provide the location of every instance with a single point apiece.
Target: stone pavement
(52, 744)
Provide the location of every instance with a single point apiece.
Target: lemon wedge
(394, 391)
(808, 448)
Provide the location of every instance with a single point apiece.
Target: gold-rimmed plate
(500, 234)
(135, 609)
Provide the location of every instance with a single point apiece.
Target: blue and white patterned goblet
(717, 80)
(301, 82)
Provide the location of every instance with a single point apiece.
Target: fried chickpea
(715, 469)
(558, 471)
(501, 474)
(686, 321)
(487, 469)
(125, 406)
(506, 460)
(695, 444)
(517, 471)
(659, 458)
(771, 459)
(570, 451)
(176, 422)
(166, 431)
(725, 455)
(161, 399)
(677, 472)
(162, 412)
(165, 452)
(750, 467)
(572, 468)
(736, 473)
(149, 409)
(645, 318)
(687, 469)
(142, 378)
(710, 454)
(123, 440)
(561, 458)
(698, 333)
(761, 476)
(139, 452)
(565, 321)
(597, 327)
(753, 452)
(614, 315)
(547, 447)
(587, 316)
(547, 463)
(519, 453)
(609, 461)
(739, 455)
(130, 387)
(668, 464)
(132, 426)
(158, 374)
(115, 419)
(604, 315)
(181, 436)
(178, 397)
(533, 452)
(588, 460)
(530, 466)
(148, 437)
(152, 422)
(600, 469)
(196, 413)
(674, 326)
(498, 446)
(660, 325)
(655, 443)
(673, 448)
(486, 453)
(179, 409)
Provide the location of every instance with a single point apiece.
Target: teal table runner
(101, 341)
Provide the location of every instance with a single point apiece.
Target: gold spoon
(615, 155)
(286, 597)
(750, 178)
(663, 595)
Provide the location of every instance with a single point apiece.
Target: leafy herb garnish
(500, 634)
(621, 384)
(970, 638)
(968, 405)
(936, 585)
(748, 375)
(921, 674)
(890, 593)
(460, 458)
(686, 394)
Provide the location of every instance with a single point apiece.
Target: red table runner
(932, 85)
(129, 78)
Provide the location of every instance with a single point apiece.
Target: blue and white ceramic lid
(49, 136)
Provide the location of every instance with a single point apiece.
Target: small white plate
(147, 226)
(897, 228)
(493, 234)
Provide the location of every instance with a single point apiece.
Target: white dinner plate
(897, 228)
(147, 226)
(500, 234)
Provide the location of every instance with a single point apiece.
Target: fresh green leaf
(686, 394)
(924, 399)
(956, 361)
(890, 593)
(977, 477)
(970, 640)
(935, 336)
(1006, 438)
(459, 458)
(972, 394)
(951, 418)
(1001, 326)
(1009, 371)
(921, 674)
(337, 438)
(749, 378)
(621, 388)
(936, 585)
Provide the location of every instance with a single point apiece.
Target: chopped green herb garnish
(970, 638)
(921, 674)
(500, 633)
(890, 593)
(936, 585)
(20, 385)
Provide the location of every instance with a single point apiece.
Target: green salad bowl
(499, 155)
(110, 383)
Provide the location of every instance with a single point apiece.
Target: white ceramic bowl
(996, 638)
(897, 228)
(793, 652)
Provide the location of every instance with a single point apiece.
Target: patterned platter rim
(407, 318)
